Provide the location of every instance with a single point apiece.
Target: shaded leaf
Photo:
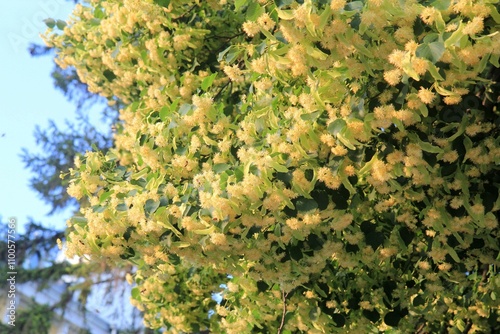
(431, 51)
(305, 204)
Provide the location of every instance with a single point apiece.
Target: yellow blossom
(426, 96)
(475, 26)
(452, 99)
(337, 4)
(266, 22)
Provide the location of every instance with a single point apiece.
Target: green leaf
(164, 112)
(254, 11)
(151, 206)
(460, 129)
(221, 55)
(136, 293)
(163, 3)
(129, 252)
(282, 3)
(115, 52)
(61, 24)
(374, 239)
(494, 59)
(324, 17)
(239, 3)
(207, 82)
(184, 109)
(99, 13)
(205, 231)
(336, 126)
(354, 6)
(431, 51)
(233, 54)
(95, 22)
(455, 37)
(109, 75)
(314, 313)
(79, 220)
(287, 14)
(311, 116)
(482, 64)
(494, 13)
(408, 68)
(346, 141)
(315, 53)
(441, 4)
(347, 184)
(425, 146)
(180, 244)
(104, 196)
(170, 227)
(320, 291)
(172, 125)
(98, 208)
(219, 168)
(433, 70)
(361, 48)
(368, 166)
(440, 25)
(122, 207)
(51, 23)
(428, 147)
(453, 253)
(268, 35)
(160, 210)
(279, 168)
(460, 324)
(423, 110)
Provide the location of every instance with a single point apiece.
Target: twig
(420, 328)
(221, 89)
(226, 37)
(283, 296)
(185, 14)
(467, 327)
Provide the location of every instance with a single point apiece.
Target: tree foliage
(338, 160)
(36, 249)
(59, 147)
(35, 320)
(37, 262)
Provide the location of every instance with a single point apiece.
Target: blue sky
(28, 98)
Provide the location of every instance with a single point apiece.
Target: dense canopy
(335, 164)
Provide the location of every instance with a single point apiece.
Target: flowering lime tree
(334, 163)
